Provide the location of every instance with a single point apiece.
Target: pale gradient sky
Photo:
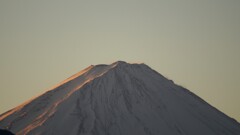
(196, 43)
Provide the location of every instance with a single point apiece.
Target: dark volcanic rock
(5, 132)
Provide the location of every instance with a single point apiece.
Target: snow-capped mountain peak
(118, 99)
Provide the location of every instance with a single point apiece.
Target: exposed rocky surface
(5, 132)
(118, 99)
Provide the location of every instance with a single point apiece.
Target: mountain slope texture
(118, 99)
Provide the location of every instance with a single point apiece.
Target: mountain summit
(118, 99)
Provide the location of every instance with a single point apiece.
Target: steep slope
(118, 99)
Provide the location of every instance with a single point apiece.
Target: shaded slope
(118, 99)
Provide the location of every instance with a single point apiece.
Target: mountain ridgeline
(118, 99)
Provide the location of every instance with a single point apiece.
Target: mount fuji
(118, 99)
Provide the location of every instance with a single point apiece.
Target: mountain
(118, 99)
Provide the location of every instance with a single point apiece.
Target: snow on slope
(118, 99)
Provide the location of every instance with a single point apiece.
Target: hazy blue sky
(196, 43)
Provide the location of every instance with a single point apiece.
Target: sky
(195, 43)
